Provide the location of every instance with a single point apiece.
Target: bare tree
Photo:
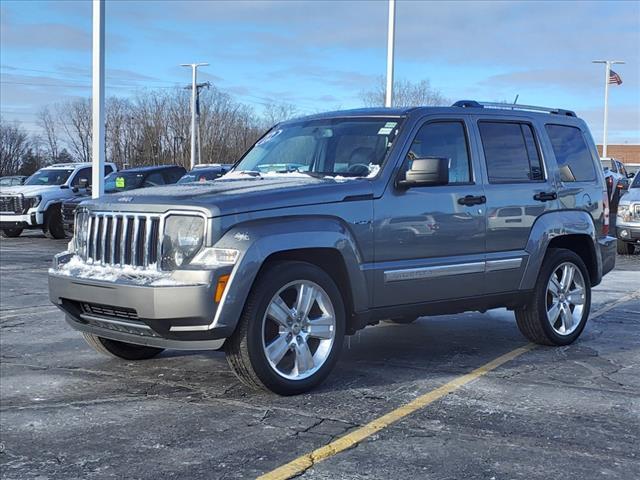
(75, 117)
(278, 112)
(405, 94)
(47, 122)
(14, 143)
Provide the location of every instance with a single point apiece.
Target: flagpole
(607, 73)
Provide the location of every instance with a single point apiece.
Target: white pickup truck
(36, 204)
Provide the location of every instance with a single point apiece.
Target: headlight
(31, 202)
(183, 238)
(624, 213)
(215, 257)
(81, 230)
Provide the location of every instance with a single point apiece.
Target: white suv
(36, 203)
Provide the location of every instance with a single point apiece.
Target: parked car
(276, 268)
(205, 172)
(123, 181)
(628, 221)
(37, 203)
(12, 180)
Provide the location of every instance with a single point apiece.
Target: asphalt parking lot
(573, 412)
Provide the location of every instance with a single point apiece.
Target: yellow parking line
(300, 464)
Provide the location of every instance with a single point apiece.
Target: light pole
(194, 84)
(388, 97)
(97, 109)
(607, 73)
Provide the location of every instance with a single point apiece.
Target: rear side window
(511, 152)
(572, 154)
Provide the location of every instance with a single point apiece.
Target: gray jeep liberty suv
(335, 221)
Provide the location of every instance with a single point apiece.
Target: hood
(632, 195)
(242, 194)
(28, 190)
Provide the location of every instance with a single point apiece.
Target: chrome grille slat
(134, 240)
(114, 230)
(94, 240)
(103, 240)
(147, 240)
(123, 240)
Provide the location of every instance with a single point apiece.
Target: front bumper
(143, 314)
(628, 233)
(31, 219)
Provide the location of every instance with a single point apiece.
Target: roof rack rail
(513, 106)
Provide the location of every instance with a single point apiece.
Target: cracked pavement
(67, 412)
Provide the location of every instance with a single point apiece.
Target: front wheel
(557, 311)
(54, 227)
(126, 351)
(625, 248)
(291, 331)
(11, 232)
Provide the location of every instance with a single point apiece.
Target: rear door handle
(471, 200)
(545, 196)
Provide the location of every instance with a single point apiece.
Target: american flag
(614, 78)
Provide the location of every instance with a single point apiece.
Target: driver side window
(446, 139)
(84, 174)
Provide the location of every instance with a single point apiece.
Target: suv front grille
(12, 204)
(109, 311)
(68, 214)
(118, 238)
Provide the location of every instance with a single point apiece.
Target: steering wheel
(358, 168)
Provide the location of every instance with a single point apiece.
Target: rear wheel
(127, 351)
(557, 311)
(625, 248)
(53, 224)
(11, 232)
(291, 330)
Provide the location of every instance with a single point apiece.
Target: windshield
(56, 176)
(121, 181)
(350, 147)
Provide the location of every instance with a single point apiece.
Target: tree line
(153, 127)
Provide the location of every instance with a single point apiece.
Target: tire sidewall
(551, 263)
(267, 286)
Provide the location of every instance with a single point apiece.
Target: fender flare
(257, 240)
(550, 226)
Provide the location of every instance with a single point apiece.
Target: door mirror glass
(427, 171)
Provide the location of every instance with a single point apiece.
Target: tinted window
(448, 140)
(572, 154)
(510, 152)
(84, 174)
(173, 175)
(154, 179)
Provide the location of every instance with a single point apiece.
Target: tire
(11, 232)
(625, 248)
(53, 224)
(402, 320)
(246, 350)
(126, 351)
(533, 319)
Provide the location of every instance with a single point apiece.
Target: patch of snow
(78, 268)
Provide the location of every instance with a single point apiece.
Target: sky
(321, 55)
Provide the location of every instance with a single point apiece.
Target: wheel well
(581, 245)
(329, 260)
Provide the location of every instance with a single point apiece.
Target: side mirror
(83, 183)
(631, 175)
(426, 172)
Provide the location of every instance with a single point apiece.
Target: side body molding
(257, 240)
(552, 225)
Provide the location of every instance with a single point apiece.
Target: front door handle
(471, 200)
(545, 196)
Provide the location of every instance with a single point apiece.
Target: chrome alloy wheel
(565, 298)
(298, 330)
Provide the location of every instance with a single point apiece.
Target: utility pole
(194, 86)
(607, 73)
(97, 110)
(388, 97)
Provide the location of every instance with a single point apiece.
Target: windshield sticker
(390, 124)
(269, 136)
(120, 182)
(385, 130)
